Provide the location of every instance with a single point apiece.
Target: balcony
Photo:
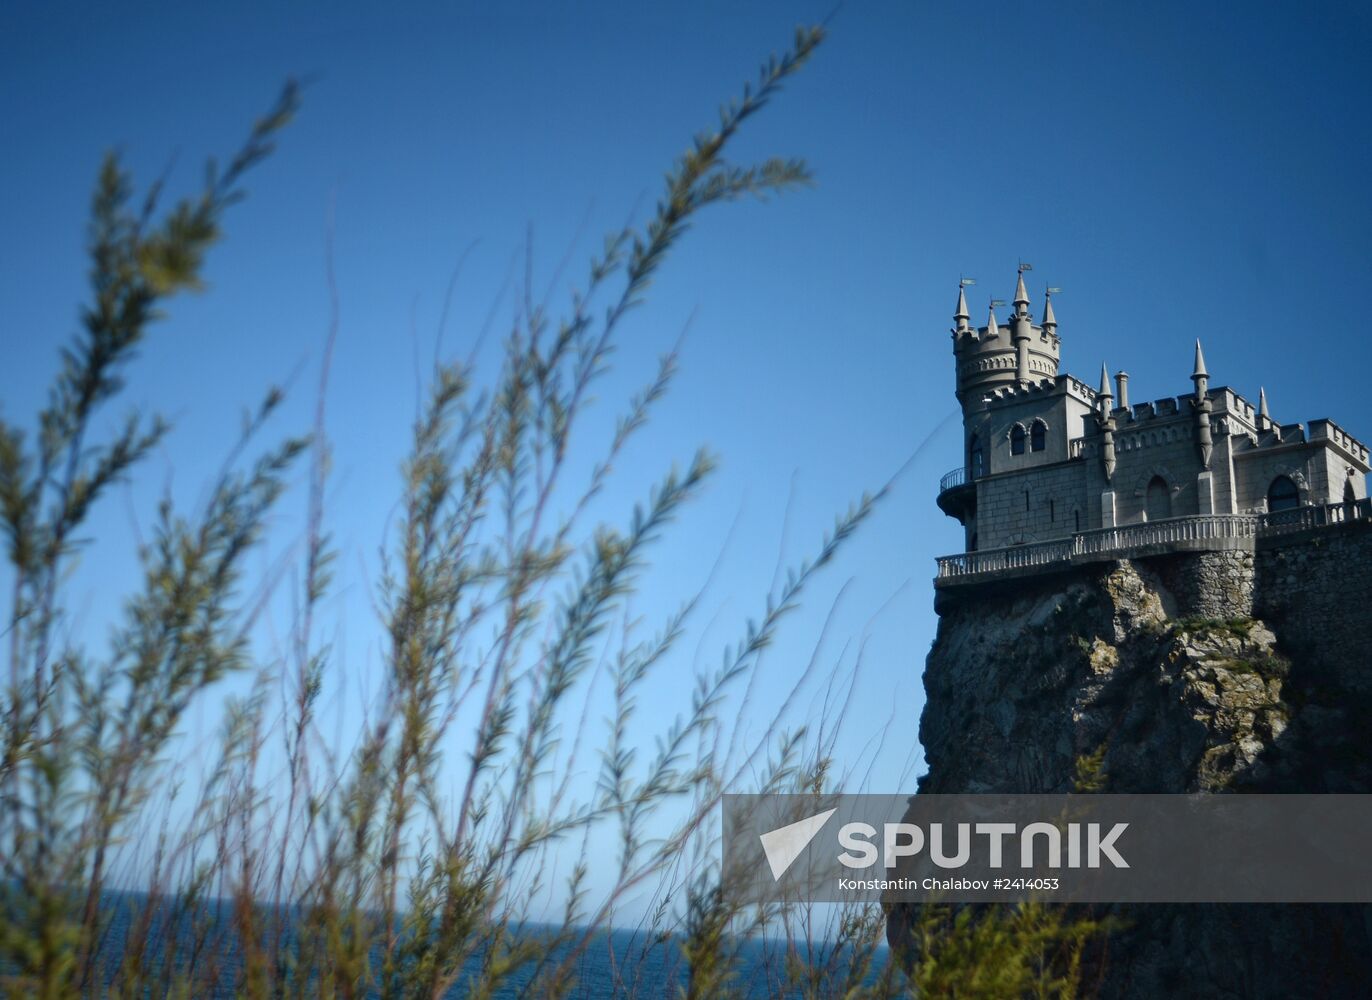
(957, 494)
(952, 480)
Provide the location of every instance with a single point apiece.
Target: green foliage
(1089, 777)
(1025, 950)
(1239, 628)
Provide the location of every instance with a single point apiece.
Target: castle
(1166, 597)
(1055, 471)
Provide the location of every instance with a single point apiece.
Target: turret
(992, 358)
(1050, 322)
(1021, 302)
(1199, 375)
(1104, 396)
(1021, 328)
(1204, 440)
(961, 317)
(1107, 425)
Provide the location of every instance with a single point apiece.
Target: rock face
(1159, 668)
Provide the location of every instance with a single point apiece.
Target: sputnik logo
(784, 844)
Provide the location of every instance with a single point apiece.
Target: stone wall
(1047, 502)
(1217, 585)
(1315, 589)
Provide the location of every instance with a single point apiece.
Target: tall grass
(350, 873)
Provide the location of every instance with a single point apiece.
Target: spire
(991, 329)
(961, 317)
(1021, 295)
(1050, 322)
(1262, 405)
(1200, 371)
(1204, 435)
(1105, 392)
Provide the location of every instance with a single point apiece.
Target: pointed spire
(1050, 322)
(1104, 396)
(991, 329)
(1200, 371)
(1262, 405)
(962, 315)
(1021, 293)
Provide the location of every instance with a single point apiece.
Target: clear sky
(1181, 170)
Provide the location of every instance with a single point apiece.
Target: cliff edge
(1191, 672)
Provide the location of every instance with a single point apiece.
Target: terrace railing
(1194, 532)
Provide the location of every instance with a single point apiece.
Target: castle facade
(1046, 457)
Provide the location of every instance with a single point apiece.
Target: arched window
(1038, 435)
(1157, 503)
(976, 458)
(1283, 495)
(1017, 440)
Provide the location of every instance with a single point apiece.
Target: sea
(615, 963)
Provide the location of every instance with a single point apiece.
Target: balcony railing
(952, 480)
(1183, 532)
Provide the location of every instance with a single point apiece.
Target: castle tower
(992, 357)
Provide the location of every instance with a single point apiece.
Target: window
(977, 458)
(1076, 520)
(1349, 496)
(1017, 440)
(1038, 435)
(1283, 495)
(1157, 503)
(1026, 500)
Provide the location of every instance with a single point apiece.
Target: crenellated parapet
(996, 356)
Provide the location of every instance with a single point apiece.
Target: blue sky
(1180, 170)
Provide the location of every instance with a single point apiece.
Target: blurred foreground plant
(354, 874)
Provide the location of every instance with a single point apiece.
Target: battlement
(1327, 430)
(992, 339)
(1062, 385)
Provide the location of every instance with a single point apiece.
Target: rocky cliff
(1215, 672)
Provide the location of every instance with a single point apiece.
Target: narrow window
(976, 459)
(1157, 503)
(1076, 520)
(1283, 495)
(1017, 440)
(1038, 436)
(1026, 500)
(1348, 495)
(1052, 515)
